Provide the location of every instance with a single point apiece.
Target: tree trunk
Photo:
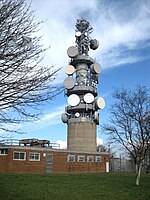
(138, 173)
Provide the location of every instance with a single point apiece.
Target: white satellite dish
(77, 114)
(88, 98)
(96, 67)
(72, 51)
(78, 34)
(94, 44)
(64, 118)
(73, 100)
(100, 103)
(69, 83)
(69, 69)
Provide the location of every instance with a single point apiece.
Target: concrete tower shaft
(82, 73)
(81, 136)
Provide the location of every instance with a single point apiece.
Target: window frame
(80, 156)
(5, 152)
(98, 157)
(19, 152)
(34, 154)
(88, 157)
(69, 156)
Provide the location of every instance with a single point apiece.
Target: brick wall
(26, 165)
(59, 162)
(3, 163)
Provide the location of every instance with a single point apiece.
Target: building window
(90, 158)
(98, 159)
(3, 151)
(81, 158)
(34, 156)
(19, 156)
(71, 158)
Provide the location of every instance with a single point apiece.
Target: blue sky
(123, 30)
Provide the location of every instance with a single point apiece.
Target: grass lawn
(103, 186)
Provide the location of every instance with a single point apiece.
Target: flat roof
(48, 149)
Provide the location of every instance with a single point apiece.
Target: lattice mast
(82, 114)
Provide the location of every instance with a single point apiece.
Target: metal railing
(29, 142)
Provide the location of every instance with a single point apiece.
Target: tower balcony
(82, 59)
(83, 89)
(82, 107)
(84, 117)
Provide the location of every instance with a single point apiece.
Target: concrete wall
(81, 136)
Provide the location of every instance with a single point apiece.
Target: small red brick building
(35, 159)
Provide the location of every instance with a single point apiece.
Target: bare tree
(24, 82)
(130, 123)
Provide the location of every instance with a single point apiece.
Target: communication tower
(81, 114)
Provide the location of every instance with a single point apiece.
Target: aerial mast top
(83, 39)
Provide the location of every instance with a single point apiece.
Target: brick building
(35, 159)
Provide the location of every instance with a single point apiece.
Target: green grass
(103, 186)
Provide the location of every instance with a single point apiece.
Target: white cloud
(99, 141)
(62, 144)
(51, 118)
(48, 119)
(121, 27)
(52, 115)
(123, 30)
